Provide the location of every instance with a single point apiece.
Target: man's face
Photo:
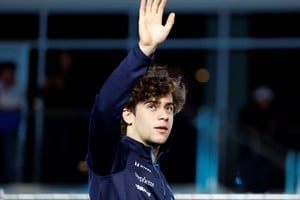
(152, 122)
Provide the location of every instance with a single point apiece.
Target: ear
(127, 115)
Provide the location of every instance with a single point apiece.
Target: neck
(155, 150)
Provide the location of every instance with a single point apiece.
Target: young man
(132, 118)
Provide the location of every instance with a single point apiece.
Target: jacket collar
(141, 149)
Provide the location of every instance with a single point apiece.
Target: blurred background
(240, 128)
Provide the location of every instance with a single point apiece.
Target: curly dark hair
(156, 83)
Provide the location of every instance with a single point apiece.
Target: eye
(170, 108)
(151, 106)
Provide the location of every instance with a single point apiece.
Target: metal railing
(84, 196)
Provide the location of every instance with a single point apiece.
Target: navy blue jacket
(120, 167)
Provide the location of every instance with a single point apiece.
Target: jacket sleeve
(104, 128)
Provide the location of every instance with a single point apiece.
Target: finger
(148, 5)
(142, 7)
(161, 6)
(170, 21)
(155, 5)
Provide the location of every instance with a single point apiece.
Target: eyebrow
(158, 102)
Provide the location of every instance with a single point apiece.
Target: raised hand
(152, 31)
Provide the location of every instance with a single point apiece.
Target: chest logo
(141, 188)
(144, 180)
(137, 164)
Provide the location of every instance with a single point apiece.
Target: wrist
(148, 50)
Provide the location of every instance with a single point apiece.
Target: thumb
(170, 21)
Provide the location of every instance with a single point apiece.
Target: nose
(163, 114)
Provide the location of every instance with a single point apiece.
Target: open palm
(151, 30)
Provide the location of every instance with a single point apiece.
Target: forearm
(106, 113)
(117, 88)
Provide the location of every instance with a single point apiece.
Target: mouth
(161, 129)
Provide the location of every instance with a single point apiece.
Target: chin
(162, 141)
(157, 143)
